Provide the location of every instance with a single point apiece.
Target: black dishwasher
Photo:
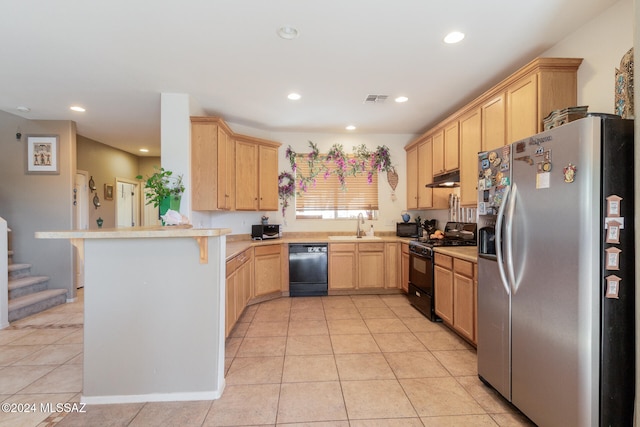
(308, 272)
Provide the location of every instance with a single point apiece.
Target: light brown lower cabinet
(268, 269)
(371, 265)
(239, 283)
(366, 265)
(456, 294)
(404, 265)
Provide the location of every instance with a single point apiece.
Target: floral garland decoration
(286, 189)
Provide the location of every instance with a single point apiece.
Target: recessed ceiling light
(294, 96)
(401, 99)
(350, 127)
(144, 150)
(77, 108)
(288, 33)
(23, 109)
(454, 37)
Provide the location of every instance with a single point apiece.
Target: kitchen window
(327, 199)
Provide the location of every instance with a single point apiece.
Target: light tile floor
(325, 361)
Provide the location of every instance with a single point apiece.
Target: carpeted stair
(30, 294)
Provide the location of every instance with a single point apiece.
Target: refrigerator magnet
(613, 205)
(569, 172)
(613, 286)
(543, 180)
(613, 231)
(485, 164)
(612, 258)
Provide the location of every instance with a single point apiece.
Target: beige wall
(33, 203)
(104, 163)
(601, 42)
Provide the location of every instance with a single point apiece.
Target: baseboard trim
(153, 397)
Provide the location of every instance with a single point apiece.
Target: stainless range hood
(446, 180)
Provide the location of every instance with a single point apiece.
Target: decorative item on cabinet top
(624, 95)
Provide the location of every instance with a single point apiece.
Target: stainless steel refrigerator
(556, 288)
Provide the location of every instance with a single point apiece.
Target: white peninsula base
(153, 314)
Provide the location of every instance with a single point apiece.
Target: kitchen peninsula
(154, 313)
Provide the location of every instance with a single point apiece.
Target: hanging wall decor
(42, 154)
(624, 103)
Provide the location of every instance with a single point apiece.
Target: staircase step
(26, 285)
(17, 271)
(27, 305)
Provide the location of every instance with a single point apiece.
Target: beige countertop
(237, 244)
(134, 233)
(467, 253)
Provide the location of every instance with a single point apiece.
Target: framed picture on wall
(42, 154)
(108, 192)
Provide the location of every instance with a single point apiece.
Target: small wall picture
(108, 192)
(42, 154)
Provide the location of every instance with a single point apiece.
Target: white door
(81, 204)
(127, 203)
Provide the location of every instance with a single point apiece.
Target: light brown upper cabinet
(542, 86)
(212, 164)
(511, 110)
(231, 171)
(446, 149)
(522, 101)
(470, 145)
(256, 174)
(425, 174)
(412, 178)
(494, 123)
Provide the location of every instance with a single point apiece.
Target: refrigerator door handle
(509, 236)
(499, 254)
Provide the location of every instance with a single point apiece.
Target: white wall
(601, 42)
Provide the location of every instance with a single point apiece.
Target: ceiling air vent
(375, 99)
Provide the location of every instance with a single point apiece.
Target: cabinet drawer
(267, 250)
(342, 247)
(405, 248)
(463, 267)
(443, 260)
(371, 247)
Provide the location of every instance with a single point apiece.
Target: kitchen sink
(354, 238)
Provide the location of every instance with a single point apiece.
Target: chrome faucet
(360, 220)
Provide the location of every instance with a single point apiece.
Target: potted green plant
(164, 190)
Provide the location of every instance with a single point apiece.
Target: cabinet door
(451, 147)
(464, 313)
(230, 303)
(222, 168)
(343, 270)
(470, 143)
(522, 109)
(204, 164)
(443, 279)
(494, 123)
(425, 174)
(268, 182)
(412, 178)
(370, 270)
(405, 267)
(268, 269)
(246, 176)
(392, 265)
(230, 174)
(438, 152)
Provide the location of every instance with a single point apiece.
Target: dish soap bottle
(370, 233)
